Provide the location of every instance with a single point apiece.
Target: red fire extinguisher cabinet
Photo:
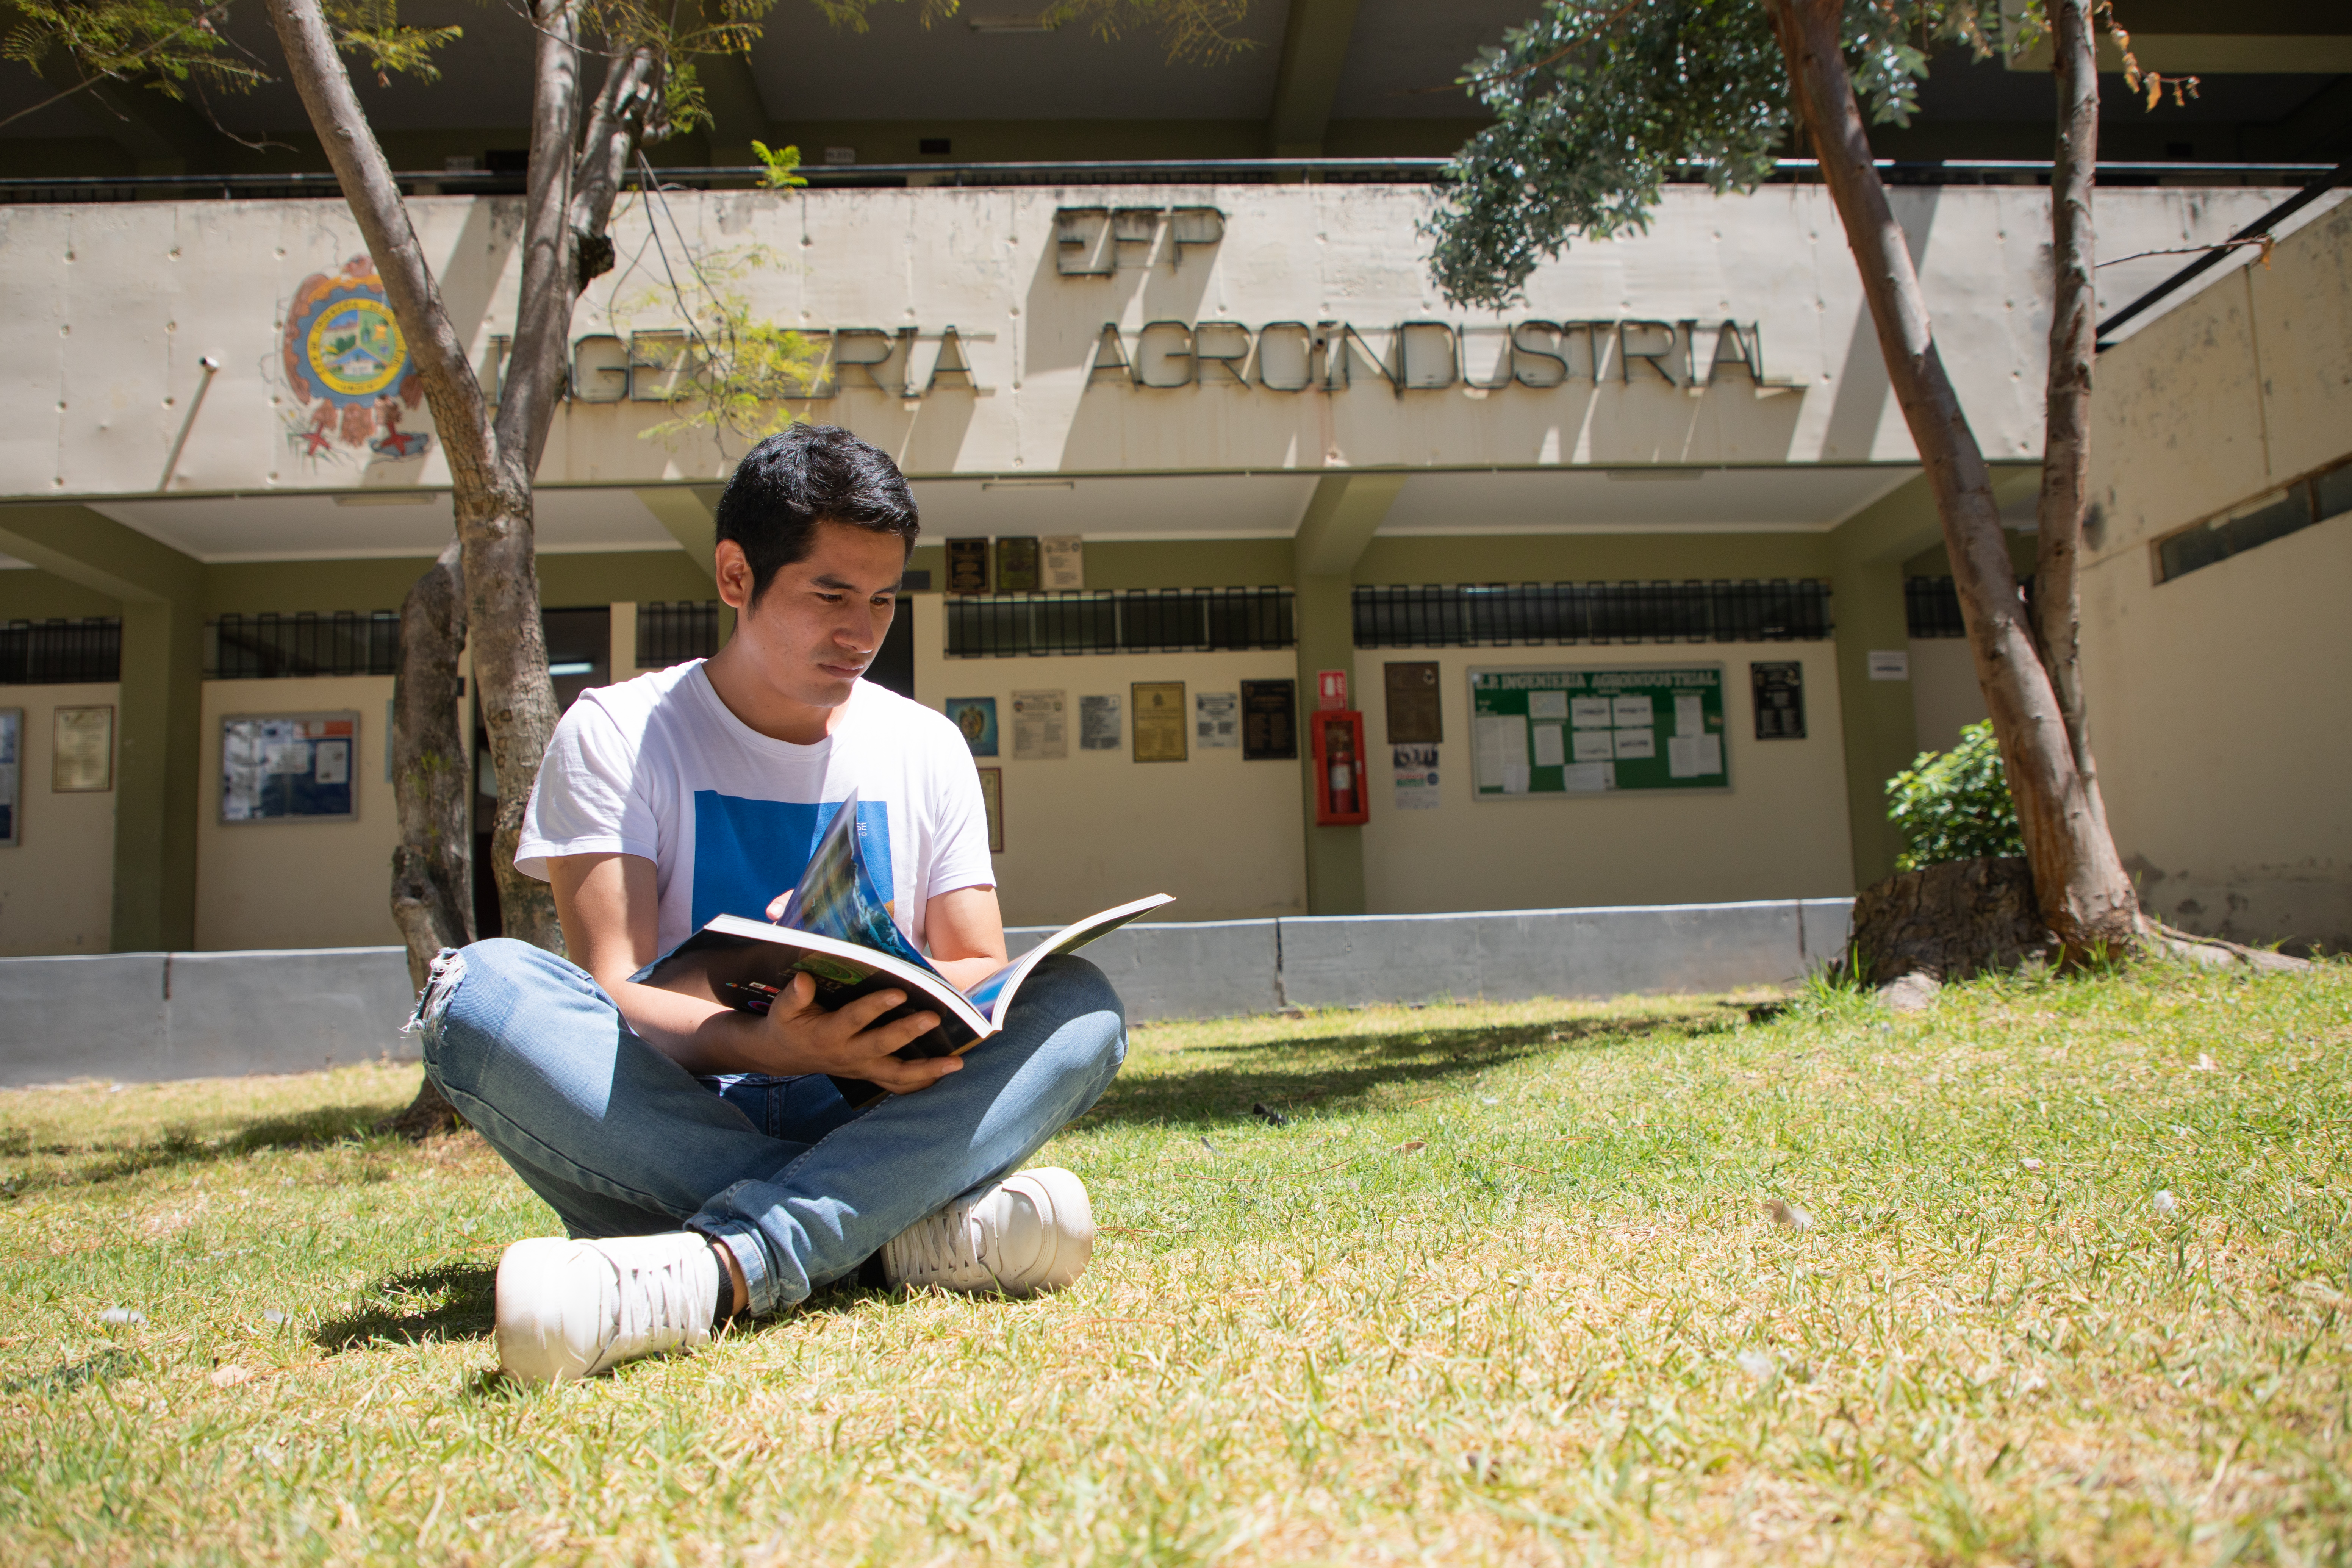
(1342, 796)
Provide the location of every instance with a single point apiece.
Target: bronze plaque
(967, 566)
(1415, 716)
(1160, 728)
(1016, 565)
(1269, 720)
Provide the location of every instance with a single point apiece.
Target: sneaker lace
(954, 1240)
(653, 1307)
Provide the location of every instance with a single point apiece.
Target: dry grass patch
(1643, 1280)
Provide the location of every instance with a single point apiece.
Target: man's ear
(732, 568)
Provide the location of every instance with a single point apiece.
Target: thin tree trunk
(490, 466)
(432, 880)
(2074, 315)
(432, 866)
(2079, 881)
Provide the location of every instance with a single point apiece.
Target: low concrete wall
(149, 1016)
(143, 1016)
(1209, 970)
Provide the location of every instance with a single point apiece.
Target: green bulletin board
(1583, 731)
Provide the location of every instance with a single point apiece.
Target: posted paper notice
(1041, 729)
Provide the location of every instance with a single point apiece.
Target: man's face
(823, 618)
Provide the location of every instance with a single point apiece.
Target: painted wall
(297, 884)
(114, 305)
(1945, 696)
(1779, 832)
(57, 885)
(1098, 828)
(2217, 699)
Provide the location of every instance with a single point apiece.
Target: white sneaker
(1028, 1233)
(573, 1308)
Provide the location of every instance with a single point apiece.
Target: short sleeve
(590, 798)
(962, 859)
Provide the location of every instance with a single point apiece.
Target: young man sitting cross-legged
(701, 1158)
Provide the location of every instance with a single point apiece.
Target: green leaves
(1955, 805)
(1598, 103)
(778, 166)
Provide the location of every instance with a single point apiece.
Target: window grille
(1506, 613)
(54, 653)
(672, 634)
(1931, 605)
(2311, 500)
(1168, 620)
(1931, 608)
(271, 646)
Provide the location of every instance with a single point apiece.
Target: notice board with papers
(1586, 732)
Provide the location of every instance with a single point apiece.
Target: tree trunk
(2082, 892)
(2074, 339)
(432, 881)
(432, 869)
(1946, 922)
(490, 466)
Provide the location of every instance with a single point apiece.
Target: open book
(836, 928)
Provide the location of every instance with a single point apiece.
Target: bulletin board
(289, 767)
(1588, 731)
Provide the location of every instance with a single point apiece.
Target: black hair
(809, 474)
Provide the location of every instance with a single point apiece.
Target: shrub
(1955, 805)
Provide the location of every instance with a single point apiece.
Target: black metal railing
(1168, 620)
(672, 634)
(271, 647)
(1503, 614)
(1931, 605)
(1931, 608)
(55, 653)
(321, 184)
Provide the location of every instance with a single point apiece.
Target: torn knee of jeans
(449, 971)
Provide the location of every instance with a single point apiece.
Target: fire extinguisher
(1342, 760)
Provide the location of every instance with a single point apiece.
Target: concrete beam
(1346, 510)
(1880, 720)
(681, 510)
(1314, 49)
(158, 726)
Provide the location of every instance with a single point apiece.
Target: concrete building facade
(1281, 453)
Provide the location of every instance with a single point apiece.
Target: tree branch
(2073, 317)
(541, 355)
(361, 169)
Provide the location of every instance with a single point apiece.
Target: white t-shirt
(658, 767)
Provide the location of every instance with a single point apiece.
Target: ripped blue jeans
(798, 1184)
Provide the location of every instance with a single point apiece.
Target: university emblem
(348, 365)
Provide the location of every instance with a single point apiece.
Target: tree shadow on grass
(185, 1146)
(422, 1306)
(1347, 1070)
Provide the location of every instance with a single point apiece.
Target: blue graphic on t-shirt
(748, 853)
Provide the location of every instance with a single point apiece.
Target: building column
(158, 722)
(1340, 520)
(1866, 553)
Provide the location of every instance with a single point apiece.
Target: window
(55, 653)
(1501, 614)
(1168, 620)
(2311, 500)
(672, 634)
(275, 646)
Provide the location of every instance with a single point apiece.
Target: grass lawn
(2067, 1282)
